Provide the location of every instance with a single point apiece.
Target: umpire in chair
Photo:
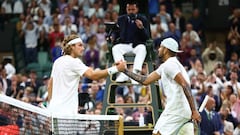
(133, 34)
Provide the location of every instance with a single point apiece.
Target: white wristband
(112, 70)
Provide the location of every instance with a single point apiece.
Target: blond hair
(65, 46)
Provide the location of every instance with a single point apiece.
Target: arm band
(112, 70)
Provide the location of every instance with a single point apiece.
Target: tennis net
(17, 117)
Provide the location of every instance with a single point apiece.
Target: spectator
(55, 36)
(197, 23)
(7, 5)
(3, 79)
(196, 67)
(42, 90)
(228, 126)
(96, 10)
(33, 82)
(20, 23)
(165, 17)
(219, 74)
(68, 27)
(237, 130)
(18, 7)
(234, 82)
(193, 37)
(13, 90)
(56, 51)
(91, 55)
(233, 61)
(183, 57)
(235, 106)
(226, 93)
(233, 41)
(46, 6)
(30, 33)
(130, 92)
(43, 44)
(211, 120)
(10, 69)
(133, 34)
(101, 35)
(66, 12)
(116, 6)
(41, 25)
(172, 32)
(211, 56)
(179, 20)
(33, 7)
(225, 112)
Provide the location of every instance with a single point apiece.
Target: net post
(121, 126)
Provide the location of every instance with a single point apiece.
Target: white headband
(74, 41)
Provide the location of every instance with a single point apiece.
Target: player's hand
(121, 65)
(196, 116)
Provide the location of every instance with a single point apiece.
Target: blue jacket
(208, 127)
(130, 33)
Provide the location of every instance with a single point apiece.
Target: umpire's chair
(112, 88)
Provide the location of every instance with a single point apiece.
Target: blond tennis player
(66, 73)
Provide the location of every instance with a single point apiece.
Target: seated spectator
(42, 90)
(172, 32)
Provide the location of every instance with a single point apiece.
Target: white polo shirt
(66, 73)
(176, 102)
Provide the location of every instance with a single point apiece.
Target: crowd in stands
(42, 25)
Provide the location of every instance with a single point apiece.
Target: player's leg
(186, 129)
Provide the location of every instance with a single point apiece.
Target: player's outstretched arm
(98, 74)
(145, 80)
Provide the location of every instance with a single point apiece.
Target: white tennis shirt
(176, 101)
(66, 73)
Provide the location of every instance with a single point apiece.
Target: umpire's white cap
(171, 44)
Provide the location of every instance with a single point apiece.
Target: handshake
(121, 65)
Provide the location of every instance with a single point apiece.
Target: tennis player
(179, 108)
(66, 73)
